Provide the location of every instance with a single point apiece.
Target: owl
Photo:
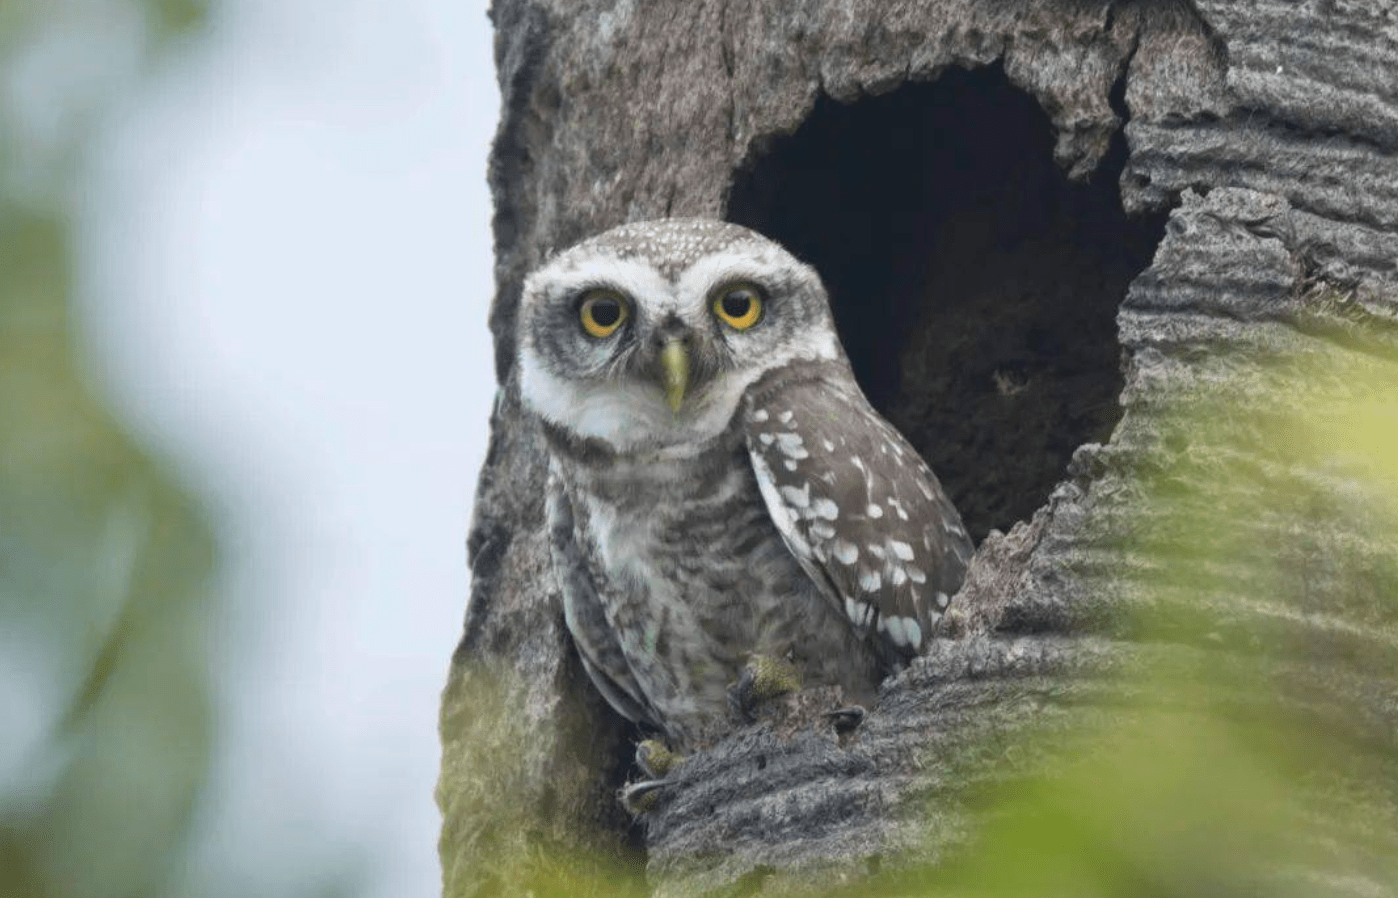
(719, 487)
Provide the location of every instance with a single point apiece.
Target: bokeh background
(244, 383)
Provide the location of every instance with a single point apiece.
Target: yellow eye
(738, 305)
(602, 312)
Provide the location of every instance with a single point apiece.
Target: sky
(286, 271)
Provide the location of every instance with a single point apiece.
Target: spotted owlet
(719, 487)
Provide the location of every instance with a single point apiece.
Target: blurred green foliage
(104, 560)
(1251, 750)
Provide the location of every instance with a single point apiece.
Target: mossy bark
(1207, 193)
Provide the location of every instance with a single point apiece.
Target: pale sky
(286, 273)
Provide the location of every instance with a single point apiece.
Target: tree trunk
(1124, 272)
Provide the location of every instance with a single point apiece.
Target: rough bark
(1207, 192)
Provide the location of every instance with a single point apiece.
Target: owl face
(645, 337)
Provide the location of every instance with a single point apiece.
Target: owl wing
(597, 643)
(855, 503)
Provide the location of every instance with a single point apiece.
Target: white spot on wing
(904, 631)
(760, 415)
(792, 445)
(869, 581)
(874, 511)
(901, 549)
(824, 508)
(845, 551)
(799, 498)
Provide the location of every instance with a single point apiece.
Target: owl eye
(602, 312)
(738, 305)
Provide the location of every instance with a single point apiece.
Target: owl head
(645, 337)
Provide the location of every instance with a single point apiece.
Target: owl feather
(719, 486)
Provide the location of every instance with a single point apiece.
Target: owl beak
(674, 372)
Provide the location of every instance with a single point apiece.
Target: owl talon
(642, 797)
(847, 719)
(656, 759)
(763, 678)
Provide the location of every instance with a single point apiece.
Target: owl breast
(686, 576)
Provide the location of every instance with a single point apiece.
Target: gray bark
(1249, 151)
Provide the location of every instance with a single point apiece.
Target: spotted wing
(855, 503)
